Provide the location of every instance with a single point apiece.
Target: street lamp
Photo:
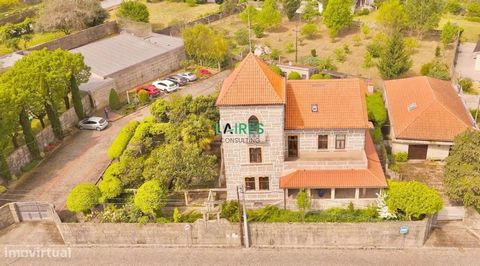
(245, 224)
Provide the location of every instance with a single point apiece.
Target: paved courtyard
(214, 256)
(465, 66)
(83, 157)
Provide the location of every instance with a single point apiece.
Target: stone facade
(308, 139)
(236, 155)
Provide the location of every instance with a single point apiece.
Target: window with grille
(340, 142)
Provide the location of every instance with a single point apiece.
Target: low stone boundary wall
(21, 156)
(210, 234)
(356, 235)
(80, 38)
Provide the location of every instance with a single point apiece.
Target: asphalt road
(83, 157)
(277, 257)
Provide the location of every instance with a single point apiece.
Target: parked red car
(204, 72)
(151, 90)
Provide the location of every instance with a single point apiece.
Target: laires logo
(240, 128)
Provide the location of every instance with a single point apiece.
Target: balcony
(327, 160)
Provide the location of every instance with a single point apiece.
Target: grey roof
(119, 52)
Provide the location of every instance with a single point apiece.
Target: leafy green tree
(310, 12)
(376, 109)
(337, 16)
(241, 37)
(205, 45)
(180, 166)
(290, 7)
(198, 130)
(294, 75)
(303, 203)
(277, 70)
(423, 15)
(436, 69)
(395, 61)
(110, 188)
(133, 10)
(114, 100)
(309, 30)
(462, 169)
(450, 32)
(83, 198)
(473, 11)
(269, 17)
(412, 199)
(392, 15)
(453, 7)
(151, 197)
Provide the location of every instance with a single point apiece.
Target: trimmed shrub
(277, 70)
(143, 97)
(401, 157)
(412, 200)
(133, 10)
(466, 84)
(340, 54)
(436, 69)
(83, 198)
(121, 141)
(326, 64)
(151, 197)
(320, 76)
(110, 188)
(309, 30)
(294, 75)
(376, 109)
(114, 100)
(3, 189)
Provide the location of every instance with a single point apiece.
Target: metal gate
(33, 211)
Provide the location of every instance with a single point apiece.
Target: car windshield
(101, 121)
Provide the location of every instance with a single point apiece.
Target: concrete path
(277, 257)
(38, 233)
(83, 157)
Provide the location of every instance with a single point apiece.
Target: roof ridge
(443, 105)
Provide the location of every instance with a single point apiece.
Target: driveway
(83, 157)
(465, 65)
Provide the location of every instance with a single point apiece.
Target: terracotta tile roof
(372, 177)
(253, 82)
(341, 104)
(436, 111)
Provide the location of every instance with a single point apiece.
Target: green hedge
(121, 141)
(401, 157)
(376, 109)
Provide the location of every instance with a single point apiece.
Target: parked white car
(165, 85)
(188, 75)
(94, 123)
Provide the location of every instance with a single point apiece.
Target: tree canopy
(133, 10)
(290, 7)
(83, 198)
(337, 16)
(205, 45)
(423, 15)
(151, 197)
(392, 16)
(395, 61)
(462, 169)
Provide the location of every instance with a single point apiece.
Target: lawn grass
(38, 38)
(279, 38)
(166, 13)
(471, 30)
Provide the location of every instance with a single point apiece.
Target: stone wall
(472, 218)
(357, 235)
(236, 155)
(7, 216)
(149, 70)
(211, 234)
(80, 38)
(21, 156)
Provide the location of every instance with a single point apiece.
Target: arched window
(253, 125)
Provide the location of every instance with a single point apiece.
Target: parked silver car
(188, 75)
(94, 123)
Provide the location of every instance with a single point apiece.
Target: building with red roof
(282, 136)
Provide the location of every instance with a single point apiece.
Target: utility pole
(240, 218)
(245, 223)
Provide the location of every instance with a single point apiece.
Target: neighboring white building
(281, 136)
(425, 116)
(476, 55)
(304, 71)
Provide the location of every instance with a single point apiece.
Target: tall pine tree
(395, 60)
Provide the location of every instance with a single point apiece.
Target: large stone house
(281, 136)
(425, 114)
